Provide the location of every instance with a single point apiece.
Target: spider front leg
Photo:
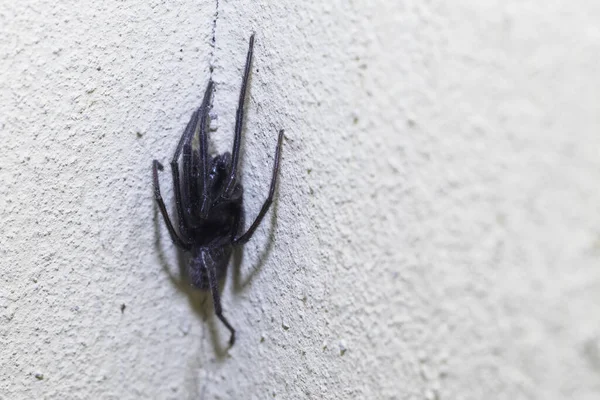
(186, 198)
(156, 166)
(177, 189)
(239, 121)
(203, 153)
(265, 207)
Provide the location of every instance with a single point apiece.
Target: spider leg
(194, 181)
(265, 207)
(239, 121)
(214, 288)
(156, 166)
(203, 152)
(185, 197)
(183, 224)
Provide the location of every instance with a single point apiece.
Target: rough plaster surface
(437, 230)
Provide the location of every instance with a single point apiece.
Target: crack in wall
(213, 42)
(211, 67)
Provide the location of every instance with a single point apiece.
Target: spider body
(209, 198)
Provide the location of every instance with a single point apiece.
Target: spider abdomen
(208, 257)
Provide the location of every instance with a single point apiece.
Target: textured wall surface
(437, 228)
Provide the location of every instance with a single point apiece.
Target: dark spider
(209, 198)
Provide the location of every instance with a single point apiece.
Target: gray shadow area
(199, 300)
(239, 282)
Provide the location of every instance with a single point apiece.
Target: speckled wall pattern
(436, 233)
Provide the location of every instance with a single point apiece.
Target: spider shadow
(239, 284)
(199, 300)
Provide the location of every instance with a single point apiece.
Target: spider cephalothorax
(209, 198)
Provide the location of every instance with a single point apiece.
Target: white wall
(437, 228)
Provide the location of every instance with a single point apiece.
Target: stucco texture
(436, 233)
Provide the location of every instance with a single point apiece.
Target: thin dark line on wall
(213, 41)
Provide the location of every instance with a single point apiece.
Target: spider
(209, 198)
